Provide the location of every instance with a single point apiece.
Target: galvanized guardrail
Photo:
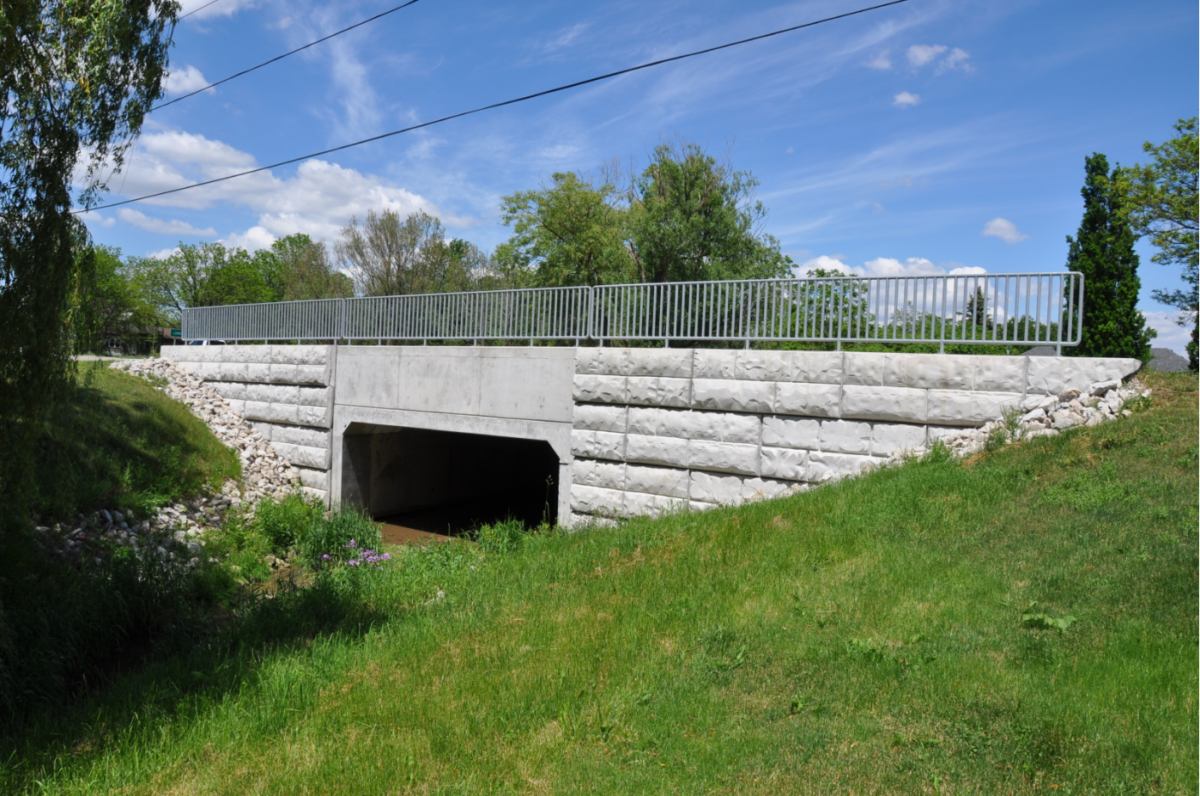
(988, 309)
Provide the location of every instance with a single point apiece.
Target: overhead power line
(495, 105)
(279, 57)
(194, 10)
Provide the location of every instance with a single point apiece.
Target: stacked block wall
(286, 391)
(660, 429)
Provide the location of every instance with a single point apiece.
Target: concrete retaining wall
(658, 429)
(286, 391)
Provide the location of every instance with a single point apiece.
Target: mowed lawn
(866, 637)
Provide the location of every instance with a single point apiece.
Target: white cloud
(186, 80)
(906, 100)
(565, 37)
(92, 217)
(318, 198)
(1003, 229)
(822, 263)
(251, 240)
(957, 59)
(881, 61)
(921, 54)
(1170, 334)
(204, 9)
(885, 266)
(162, 226)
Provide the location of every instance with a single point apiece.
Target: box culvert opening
(419, 482)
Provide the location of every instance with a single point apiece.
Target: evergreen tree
(1103, 252)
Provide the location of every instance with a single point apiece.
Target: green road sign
(177, 332)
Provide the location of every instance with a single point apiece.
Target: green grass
(116, 442)
(891, 634)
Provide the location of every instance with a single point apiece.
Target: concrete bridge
(565, 433)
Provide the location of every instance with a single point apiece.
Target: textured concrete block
(242, 371)
(785, 463)
(667, 451)
(720, 490)
(1057, 374)
(598, 445)
(652, 422)
(315, 416)
(597, 417)
(818, 367)
(723, 457)
(733, 396)
(672, 363)
(237, 406)
(668, 481)
(314, 479)
(592, 472)
(930, 371)
(315, 494)
(273, 393)
(314, 375)
(712, 363)
(658, 391)
(301, 354)
(302, 455)
(1000, 374)
(724, 427)
(597, 501)
(312, 396)
(754, 489)
(811, 400)
(896, 404)
(601, 361)
(969, 408)
(764, 365)
(889, 437)
(296, 435)
(823, 466)
(270, 412)
(866, 370)
(229, 389)
(841, 436)
(785, 432)
(641, 504)
(602, 389)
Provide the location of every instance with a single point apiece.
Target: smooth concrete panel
(368, 376)
(439, 379)
(532, 383)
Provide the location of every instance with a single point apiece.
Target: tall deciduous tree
(1163, 207)
(684, 217)
(77, 77)
(112, 307)
(1103, 252)
(691, 218)
(570, 232)
(390, 256)
(303, 270)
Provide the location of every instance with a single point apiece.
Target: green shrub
(284, 523)
(330, 537)
(501, 537)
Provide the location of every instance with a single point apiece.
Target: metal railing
(986, 309)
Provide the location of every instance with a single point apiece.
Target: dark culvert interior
(420, 482)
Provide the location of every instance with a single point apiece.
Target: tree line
(684, 217)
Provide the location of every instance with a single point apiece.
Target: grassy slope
(119, 442)
(861, 638)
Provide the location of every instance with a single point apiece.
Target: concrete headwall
(635, 430)
(657, 429)
(286, 391)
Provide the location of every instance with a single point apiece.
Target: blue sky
(920, 138)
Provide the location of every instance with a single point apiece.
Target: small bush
(331, 537)
(501, 537)
(283, 524)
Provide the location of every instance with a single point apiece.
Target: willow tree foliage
(1103, 252)
(78, 77)
(1163, 207)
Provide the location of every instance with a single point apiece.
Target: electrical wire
(495, 105)
(194, 10)
(279, 57)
